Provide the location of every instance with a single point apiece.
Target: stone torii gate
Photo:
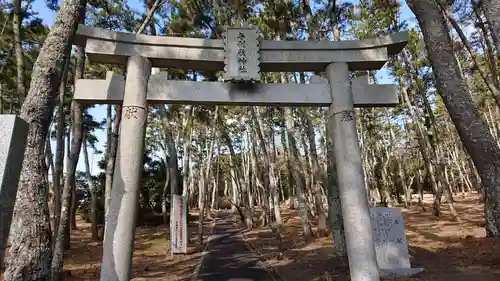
(242, 56)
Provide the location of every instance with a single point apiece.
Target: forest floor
(150, 261)
(446, 249)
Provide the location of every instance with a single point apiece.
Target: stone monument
(13, 135)
(391, 245)
(243, 56)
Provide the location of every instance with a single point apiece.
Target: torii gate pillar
(355, 209)
(121, 218)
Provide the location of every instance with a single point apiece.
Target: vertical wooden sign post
(178, 225)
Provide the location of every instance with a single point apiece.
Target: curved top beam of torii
(105, 46)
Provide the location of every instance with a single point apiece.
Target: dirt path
(228, 256)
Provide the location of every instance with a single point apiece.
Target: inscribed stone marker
(390, 238)
(13, 135)
(391, 245)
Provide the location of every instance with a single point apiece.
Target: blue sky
(99, 112)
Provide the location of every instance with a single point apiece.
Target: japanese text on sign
(242, 54)
(241, 49)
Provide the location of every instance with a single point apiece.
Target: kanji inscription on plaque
(241, 46)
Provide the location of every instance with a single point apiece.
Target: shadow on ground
(229, 257)
(448, 250)
(151, 261)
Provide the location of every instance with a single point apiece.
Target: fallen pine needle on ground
(448, 250)
(151, 260)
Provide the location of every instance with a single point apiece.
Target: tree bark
(206, 176)
(473, 132)
(480, 69)
(59, 159)
(334, 203)
(62, 237)
(62, 240)
(92, 187)
(31, 252)
(188, 137)
(268, 161)
(299, 179)
(110, 166)
(491, 10)
(172, 168)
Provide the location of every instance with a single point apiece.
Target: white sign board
(178, 225)
(389, 235)
(241, 46)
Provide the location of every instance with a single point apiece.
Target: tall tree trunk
(259, 184)
(172, 168)
(31, 252)
(268, 161)
(319, 181)
(110, 166)
(68, 199)
(172, 165)
(491, 10)
(109, 127)
(289, 176)
(273, 181)
(433, 136)
(486, 44)
(473, 132)
(72, 217)
(59, 159)
(215, 191)
(299, 179)
(92, 187)
(425, 147)
(49, 166)
(188, 137)
(16, 28)
(109, 137)
(206, 176)
(63, 233)
(479, 67)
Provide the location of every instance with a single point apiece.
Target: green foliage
(388, 135)
(32, 32)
